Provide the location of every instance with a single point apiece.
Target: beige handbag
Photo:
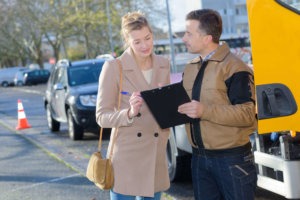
(99, 169)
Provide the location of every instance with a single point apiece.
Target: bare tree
(64, 25)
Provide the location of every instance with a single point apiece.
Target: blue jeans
(117, 196)
(224, 178)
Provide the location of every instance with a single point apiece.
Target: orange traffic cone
(22, 121)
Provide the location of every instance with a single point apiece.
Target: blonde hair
(133, 21)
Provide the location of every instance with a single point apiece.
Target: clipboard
(163, 103)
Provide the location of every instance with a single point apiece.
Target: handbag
(99, 169)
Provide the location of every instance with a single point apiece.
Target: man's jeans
(224, 177)
(117, 196)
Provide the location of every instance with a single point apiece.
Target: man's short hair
(210, 22)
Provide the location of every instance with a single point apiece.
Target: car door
(45, 76)
(58, 95)
(275, 35)
(36, 77)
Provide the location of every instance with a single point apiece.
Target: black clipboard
(163, 102)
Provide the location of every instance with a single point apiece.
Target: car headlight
(88, 100)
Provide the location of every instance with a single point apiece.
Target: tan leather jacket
(229, 112)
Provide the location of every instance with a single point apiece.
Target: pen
(126, 93)
(129, 94)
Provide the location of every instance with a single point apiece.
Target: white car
(7, 75)
(105, 57)
(19, 76)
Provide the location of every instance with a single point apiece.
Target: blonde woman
(137, 145)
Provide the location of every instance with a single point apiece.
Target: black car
(36, 76)
(71, 96)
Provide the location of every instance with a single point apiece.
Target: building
(234, 15)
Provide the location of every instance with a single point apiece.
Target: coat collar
(222, 51)
(134, 75)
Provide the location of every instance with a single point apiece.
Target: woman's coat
(139, 150)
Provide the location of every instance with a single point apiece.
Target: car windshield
(84, 74)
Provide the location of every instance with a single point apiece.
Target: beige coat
(139, 152)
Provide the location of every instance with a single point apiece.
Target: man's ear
(208, 38)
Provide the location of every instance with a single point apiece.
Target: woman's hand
(136, 102)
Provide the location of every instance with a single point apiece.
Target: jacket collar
(221, 52)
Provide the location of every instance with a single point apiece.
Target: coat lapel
(134, 75)
(157, 72)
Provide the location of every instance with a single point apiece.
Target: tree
(64, 25)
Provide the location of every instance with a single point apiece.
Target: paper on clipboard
(163, 102)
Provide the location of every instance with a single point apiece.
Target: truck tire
(179, 162)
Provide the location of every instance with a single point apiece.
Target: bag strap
(119, 102)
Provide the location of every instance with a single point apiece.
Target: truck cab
(274, 35)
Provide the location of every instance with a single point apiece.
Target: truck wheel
(75, 130)
(52, 123)
(179, 162)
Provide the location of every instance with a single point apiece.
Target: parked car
(36, 76)
(71, 96)
(7, 75)
(19, 77)
(105, 56)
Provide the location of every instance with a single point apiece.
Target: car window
(61, 76)
(84, 74)
(44, 72)
(34, 73)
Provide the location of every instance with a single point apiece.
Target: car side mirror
(58, 86)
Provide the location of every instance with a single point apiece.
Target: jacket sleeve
(241, 111)
(107, 113)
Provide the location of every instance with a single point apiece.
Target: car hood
(91, 88)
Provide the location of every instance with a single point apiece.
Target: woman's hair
(133, 21)
(210, 22)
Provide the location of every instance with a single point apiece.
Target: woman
(139, 146)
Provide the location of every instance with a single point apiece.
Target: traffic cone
(22, 121)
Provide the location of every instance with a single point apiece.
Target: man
(223, 110)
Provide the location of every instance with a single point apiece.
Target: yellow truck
(275, 44)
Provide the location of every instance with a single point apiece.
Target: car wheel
(5, 84)
(75, 131)
(19, 83)
(179, 163)
(52, 123)
(171, 156)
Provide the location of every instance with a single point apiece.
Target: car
(71, 95)
(7, 75)
(105, 56)
(36, 76)
(19, 76)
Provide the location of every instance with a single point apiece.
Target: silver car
(19, 76)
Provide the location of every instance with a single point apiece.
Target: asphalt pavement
(33, 166)
(28, 172)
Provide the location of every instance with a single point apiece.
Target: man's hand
(193, 109)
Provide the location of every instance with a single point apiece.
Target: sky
(179, 9)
